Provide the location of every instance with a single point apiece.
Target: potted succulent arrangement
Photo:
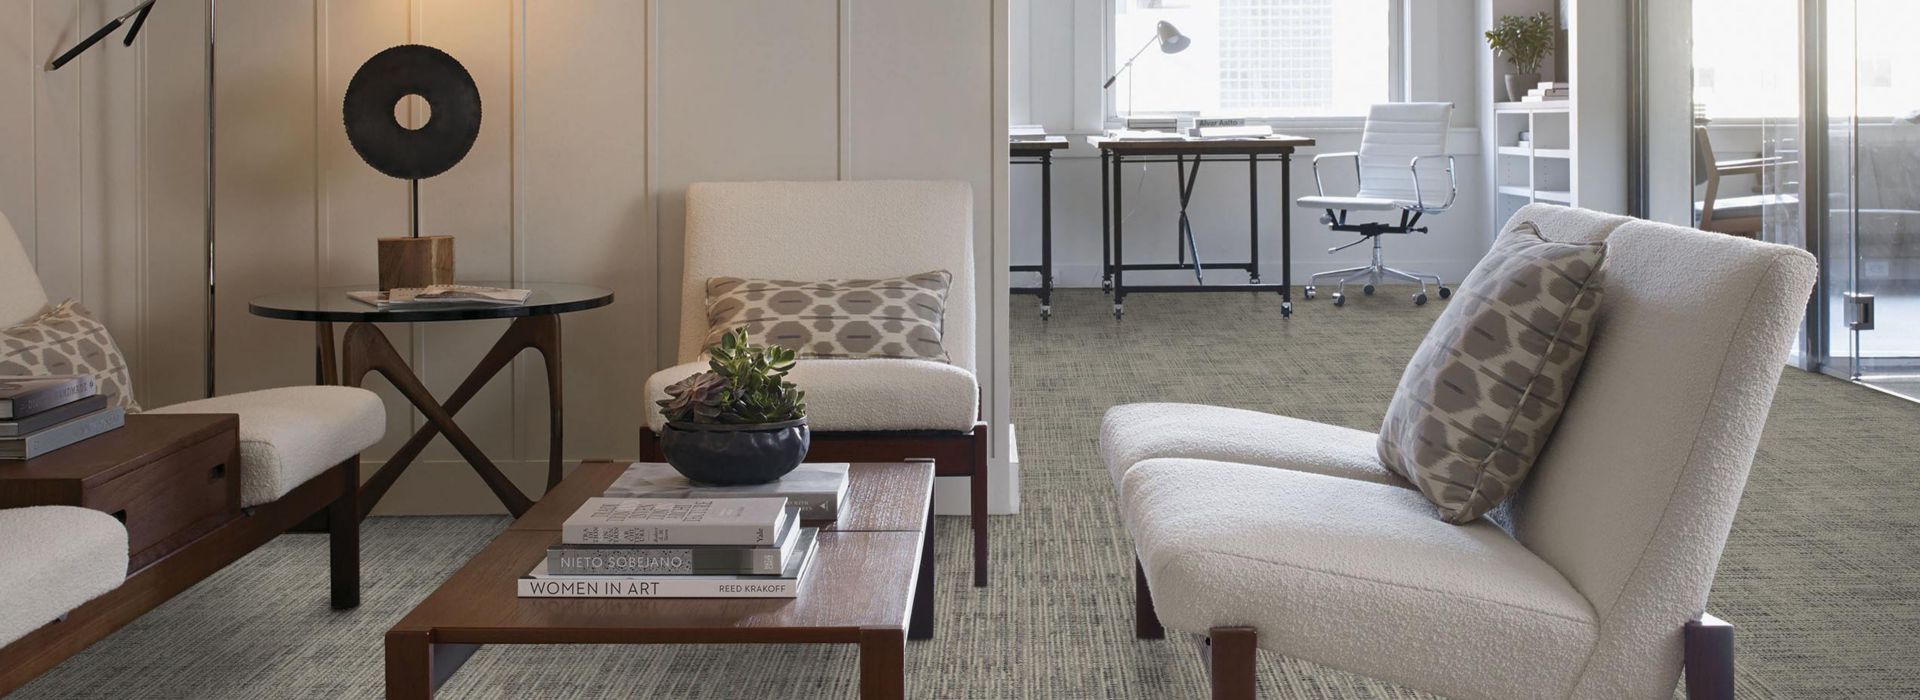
(1524, 40)
(739, 422)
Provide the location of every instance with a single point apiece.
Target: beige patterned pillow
(1486, 387)
(894, 318)
(67, 340)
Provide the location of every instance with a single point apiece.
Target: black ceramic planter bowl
(729, 455)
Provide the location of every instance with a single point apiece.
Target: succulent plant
(744, 384)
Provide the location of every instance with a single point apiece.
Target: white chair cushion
(52, 559)
(291, 434)
(867, 394)
(1355, 575)
(1347, 203)
(1133, 433)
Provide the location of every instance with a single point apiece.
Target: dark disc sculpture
(453, 122)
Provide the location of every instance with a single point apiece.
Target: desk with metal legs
(1039, 153)
(1187, 154)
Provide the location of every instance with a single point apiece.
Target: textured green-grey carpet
(1821, 574)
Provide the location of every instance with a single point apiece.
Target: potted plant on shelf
(1524, 40)
(739, 422)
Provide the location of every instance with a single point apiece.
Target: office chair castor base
(1307, 293)
(1339, 299)
(1445, 293)
(1420, 299)
(1286, 309)
(1118, 311)
(1046, 313)
(1253, 279)
(1367, 290)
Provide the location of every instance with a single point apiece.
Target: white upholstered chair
(289, 437)
(863, 410)
(55, 558)
(1255, 529)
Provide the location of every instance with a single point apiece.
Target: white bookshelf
(1533, 155)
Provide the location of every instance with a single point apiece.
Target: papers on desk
(1026, 132)
(1255, 131)
(441, 295)
(1142, 135)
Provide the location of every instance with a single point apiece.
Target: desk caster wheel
(1307, 292)
(1286, 309)
(1106, 286)
(1118, 311)
(1046, 313)
(1445, 293)
(1253, 279)
(1367, 290)
(1420, 299)
(1339, 299)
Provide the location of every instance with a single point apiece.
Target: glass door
(1873, 188)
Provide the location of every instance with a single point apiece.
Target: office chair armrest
(1453, 185)
(1355, 155)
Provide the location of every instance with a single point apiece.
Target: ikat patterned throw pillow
(67, 340)
(1486, 388)
(887, 318)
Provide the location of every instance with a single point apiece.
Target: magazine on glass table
(441, 295)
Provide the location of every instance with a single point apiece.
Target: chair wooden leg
(343, 537)
(978, 482)
(1231, 662)
(1709, 659)
(1146, 622)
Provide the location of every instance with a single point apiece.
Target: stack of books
(42, 414)
(817, 490)
(677, 548)
(1026, 132)
(1546, 91)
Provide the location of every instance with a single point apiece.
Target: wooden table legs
(366, 349)
(883, 664)
(416, 666)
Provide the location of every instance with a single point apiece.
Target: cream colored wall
(597, 115)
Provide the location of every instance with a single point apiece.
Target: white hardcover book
(659, 560)
(692, 521)
(817, 489)
(540, 584)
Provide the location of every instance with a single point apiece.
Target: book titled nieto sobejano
(700, 521)
(538, 583)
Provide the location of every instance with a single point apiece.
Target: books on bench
(42, 414)
(817, 489)
(676, 548)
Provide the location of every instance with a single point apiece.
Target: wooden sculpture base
(415, 262)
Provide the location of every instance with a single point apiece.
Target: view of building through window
(1255, 58)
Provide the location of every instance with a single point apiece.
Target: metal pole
(209, 231)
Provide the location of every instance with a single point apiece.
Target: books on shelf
(685, 521)
(441, 295)
(817, 489)
(1547, 91)
(24, 396)
(543, 583)
(674, 560)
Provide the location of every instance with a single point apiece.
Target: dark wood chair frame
(1232, 662)
(333, 494)
(953, 454)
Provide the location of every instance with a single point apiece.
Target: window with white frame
(1254, 58)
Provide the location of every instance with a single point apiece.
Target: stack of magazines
(42, 414)
(442, 295)
(676, 548)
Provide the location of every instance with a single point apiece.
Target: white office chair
(1397, 137)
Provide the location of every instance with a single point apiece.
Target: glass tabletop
(333, 304)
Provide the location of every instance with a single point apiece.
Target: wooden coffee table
(872, 586)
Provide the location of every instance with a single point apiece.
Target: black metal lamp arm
(139, 16)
